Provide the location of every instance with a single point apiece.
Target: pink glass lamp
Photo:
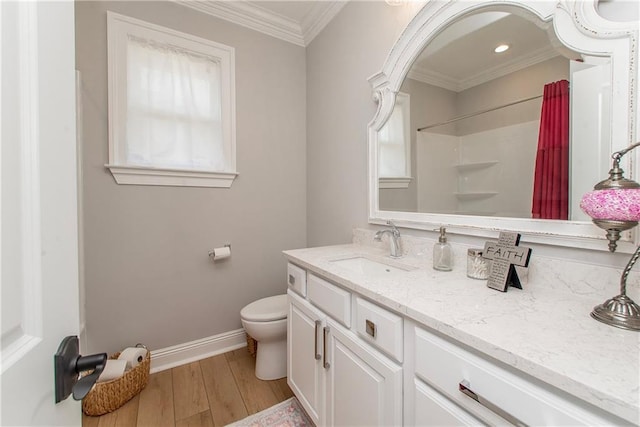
(614, 205)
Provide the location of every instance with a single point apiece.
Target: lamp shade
(617, 204)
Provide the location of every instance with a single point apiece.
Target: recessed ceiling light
(395, 2)
(501, 48)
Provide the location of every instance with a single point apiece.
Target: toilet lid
(266, 309)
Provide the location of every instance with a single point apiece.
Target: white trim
(251, 16)
(141, 175)
(536, 57)
(318, 18)
(434, 78)
(170, 357)
(403, 104)
(118, 27)
(80, 179)
(447, 82)
(395, 182)
(267, 22)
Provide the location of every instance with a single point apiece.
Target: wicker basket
(252, 345)
(108, 396)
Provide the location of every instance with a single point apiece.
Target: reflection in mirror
(394, 145)
(522, 133)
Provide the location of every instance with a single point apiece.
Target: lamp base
(620, 312)
(614, 228)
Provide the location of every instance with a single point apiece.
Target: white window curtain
(173, 108)
(393, 141)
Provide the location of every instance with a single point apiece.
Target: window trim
(118, 27)
(395, 182)
(403, 100)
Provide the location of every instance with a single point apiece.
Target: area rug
(285, 414)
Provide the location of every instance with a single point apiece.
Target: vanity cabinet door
(432, 409)
(363, 387)
(305, 374)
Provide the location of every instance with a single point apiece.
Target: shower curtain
(551, 180)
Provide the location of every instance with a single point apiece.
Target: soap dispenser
(442, 253)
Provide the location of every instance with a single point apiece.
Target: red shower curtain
(551, 180)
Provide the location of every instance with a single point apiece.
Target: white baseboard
(170, 357)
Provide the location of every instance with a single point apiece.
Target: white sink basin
(368, 266)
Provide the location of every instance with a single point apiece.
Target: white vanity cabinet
(363, 388)
(432, 409)
(305, 371)
(353, 360)
(340, 379)
(455, 386)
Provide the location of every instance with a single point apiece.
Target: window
(171, 107)
(394, 146)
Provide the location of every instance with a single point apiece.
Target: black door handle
(68, 364)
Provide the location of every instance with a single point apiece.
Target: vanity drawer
(297, 279)
(329, 298)
(379, 327)
(495, 391)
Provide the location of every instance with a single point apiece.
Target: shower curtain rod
(466, 116)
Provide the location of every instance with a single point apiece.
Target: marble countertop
(539, 330)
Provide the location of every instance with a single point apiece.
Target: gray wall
(147, 274)
(339, 105)
(518, 85)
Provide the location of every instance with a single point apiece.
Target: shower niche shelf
(475, 195)
(464, 167)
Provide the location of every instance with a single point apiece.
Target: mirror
(460, 142)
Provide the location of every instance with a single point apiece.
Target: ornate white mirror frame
(578, 26)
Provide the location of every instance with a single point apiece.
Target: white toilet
(265, 321)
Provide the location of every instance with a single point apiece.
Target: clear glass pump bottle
(442, 253)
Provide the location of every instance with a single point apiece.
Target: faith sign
(506, 254)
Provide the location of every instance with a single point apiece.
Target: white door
(305, 352)
(363, 387)
(39, 252)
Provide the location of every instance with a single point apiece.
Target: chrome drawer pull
(370, 327)
(325, 363)
(464, 385)
(315, 348)
(292, 279)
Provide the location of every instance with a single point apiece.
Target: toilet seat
(266, 309)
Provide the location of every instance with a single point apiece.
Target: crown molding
(318, 17)
(518, 64)
(434, 78)
(267, 22)
(446, 82)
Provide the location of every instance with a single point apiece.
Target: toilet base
(271, 359)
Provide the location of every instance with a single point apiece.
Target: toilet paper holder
(212, 253)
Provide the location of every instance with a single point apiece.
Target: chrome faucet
(394, 239)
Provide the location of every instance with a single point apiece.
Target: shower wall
(484, 173)
(482, 165)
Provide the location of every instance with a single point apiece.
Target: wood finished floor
(211, 392)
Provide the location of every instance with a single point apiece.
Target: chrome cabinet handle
(292, 279)
(464, 385)
(315, 348)
(325, 363)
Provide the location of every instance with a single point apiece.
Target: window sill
(141, 175)
(396, 182)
